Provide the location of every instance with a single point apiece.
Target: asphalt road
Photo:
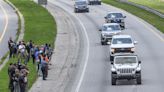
(8, 26)
(93, 74)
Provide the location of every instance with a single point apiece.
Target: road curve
(8, 27)
(95, 74)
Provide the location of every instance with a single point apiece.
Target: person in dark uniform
(10, 46)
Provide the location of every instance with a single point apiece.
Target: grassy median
(155, 4)
(40, 27)
(151, 18)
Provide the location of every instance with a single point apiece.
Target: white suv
(125, 67)
(121, 44)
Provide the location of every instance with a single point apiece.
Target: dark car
(115, 17)
(81, 6)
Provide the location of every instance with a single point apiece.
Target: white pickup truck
(121, 44)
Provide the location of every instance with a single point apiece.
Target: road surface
(92, 73)
(8, 27)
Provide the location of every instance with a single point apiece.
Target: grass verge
(151, 18)
(39, 27)
(155, 4)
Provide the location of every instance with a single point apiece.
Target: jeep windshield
(111, 28)
(121, 41)
(81, 3)
(115, 15)
(125, 60)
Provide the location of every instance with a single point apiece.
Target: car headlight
(103, 34)
(138, 68)
(132, 49)
(112, 50)
(113, 69)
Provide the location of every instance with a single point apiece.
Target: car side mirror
(109, 43)
(100, 29)
(139, 62)
(111, 62)
(135, 42)
(124, 16)
(105, 17)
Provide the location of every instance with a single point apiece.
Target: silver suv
(80, 6)
(115, 17)
(125, 67)
(108, 30)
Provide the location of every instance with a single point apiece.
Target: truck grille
(117, 50)
(109, 36)
(125, 70)
(116, 21)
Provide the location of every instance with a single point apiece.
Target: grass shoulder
(40, 27)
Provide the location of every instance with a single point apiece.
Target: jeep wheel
(123, 27)
(102, 43)
(87, 10)
(138, 79)
(113, 81)
(111, 58)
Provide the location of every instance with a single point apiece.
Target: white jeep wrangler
(125, 67)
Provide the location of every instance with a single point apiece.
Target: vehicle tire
(102, 43)
(123, 27)
(99, 3)
(111, 58)
(87, 10)
(138, 79)
(113, 82)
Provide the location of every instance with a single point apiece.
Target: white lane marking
(87, 56)
(6, 23)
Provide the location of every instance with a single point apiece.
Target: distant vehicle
(108, 30)
(121, 44)
(115, 17)
(81, 6)
(125, 67)
(91, 2)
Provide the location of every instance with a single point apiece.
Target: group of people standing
(40, 55)
(17, 77)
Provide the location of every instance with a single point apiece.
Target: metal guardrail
(143, 7)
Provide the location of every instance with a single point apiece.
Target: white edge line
(6, 23)
(87, 53)
(87, 56)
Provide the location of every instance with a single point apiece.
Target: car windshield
(122, 41)
(111, 28)
(115, 15)
(81, 3)
(125, 60)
